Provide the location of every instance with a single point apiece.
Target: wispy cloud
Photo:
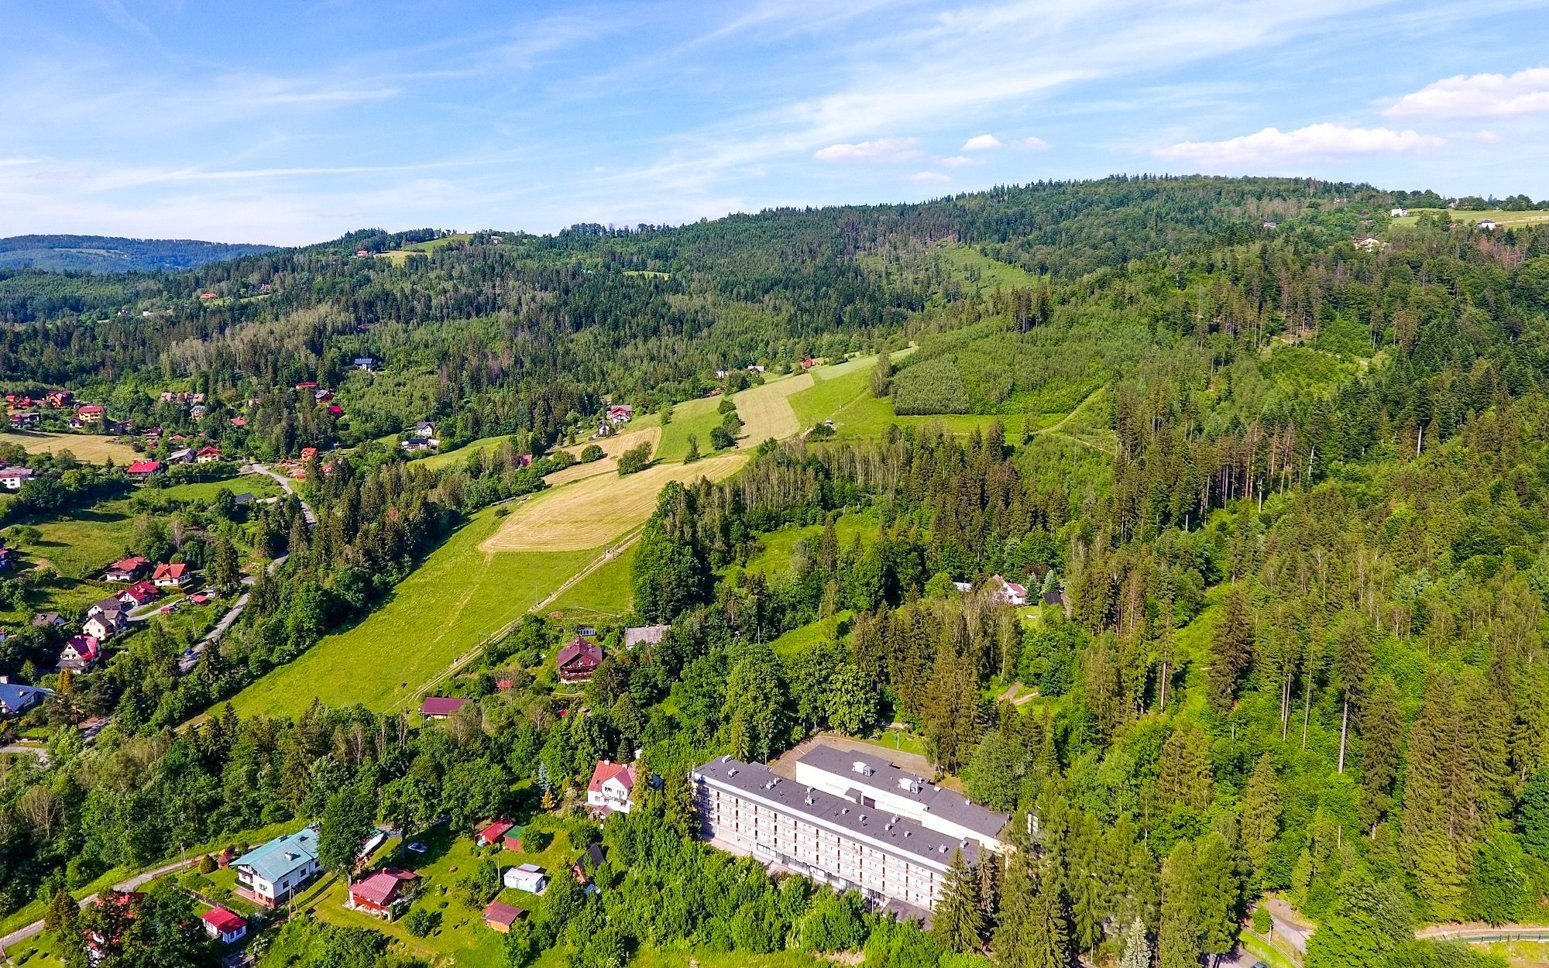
(1477, 96)
(982, 142)
(933, 177)
(1031, 143)
(1316, 141)
(883, 151)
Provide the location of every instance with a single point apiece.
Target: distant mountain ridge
(101, 253)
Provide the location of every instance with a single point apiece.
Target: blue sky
(294, 122)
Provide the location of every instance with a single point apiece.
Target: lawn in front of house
(450, 856)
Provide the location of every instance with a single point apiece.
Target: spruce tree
(1137, 947)
(1231, 649)
(1261, 815)
(957, 922)
(1048, 938)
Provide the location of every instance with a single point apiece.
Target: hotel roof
(936, 800)
(896, 835)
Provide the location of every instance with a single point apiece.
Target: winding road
(288, 485)
(133, 883)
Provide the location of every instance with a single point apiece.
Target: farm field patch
(92, 448)
(592, 512)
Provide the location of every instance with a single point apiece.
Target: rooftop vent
(809, 796)
(863, 818)
(861, 767)
(732, 771)
(844, 810)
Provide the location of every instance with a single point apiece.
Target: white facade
(613, 795)
(526, 877)
(895, 860)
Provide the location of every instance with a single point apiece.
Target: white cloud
(1030, 144)
(930, 176)
(982, 142)
(1477, 96)
(956, 161)
(883, 151)
(1272, 145)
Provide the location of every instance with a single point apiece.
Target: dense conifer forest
(1285, 496)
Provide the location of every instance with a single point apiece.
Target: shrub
(421, 922)
(591, 452)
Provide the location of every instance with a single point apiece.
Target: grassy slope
(1507, 219)
(452, 603)
(606, 594)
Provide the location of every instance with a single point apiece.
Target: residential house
(16, 698)
(425, 428)
(808, 362)
(493, 833)
(184, 455)
(963, 586)
(645, 635)
(12, 478)
(139, 594)
(755, 368)
(109, 604)
(440, 707)
(306, 385)
(127, 569)
(174, 575)
(90, 412)
(365, 364)
(322, 395)
(143, 470)
(620, 413)
(500, 917)
(610, 788)
(588, 864)
(207, 455)
(272, 873)
(578, 660)
(1487, 225)
(382, 894)
(224, 925)
(308, 453)
(239, 422)
(7, 559)
(79, 654)
(1367, 244)
(526, 877)
(27, 418)
(416, 445)
(59, 399)
(106, 623)
(1008, 592)
(48, 620)
(1398, 212)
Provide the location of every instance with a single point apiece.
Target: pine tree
(1185, 780)
(1049, 942)
(1231, 649)
(1137, 947)
(957, 922)
(1261, 815)
(1181, 943)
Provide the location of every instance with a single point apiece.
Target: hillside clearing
(93, 448)
(592, 512)
(766, 410)
(1501, 216)
(454, 601)
(612, 447)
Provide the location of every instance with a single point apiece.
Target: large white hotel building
(850, 820)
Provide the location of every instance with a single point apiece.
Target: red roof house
(239, 421)
(140, 593)
(207, 295)
(307, 385)
(207, 455)
(307, 453)
(500, 917)
(382, 893)
(493, 833)
(610, 788)
(440, 707)
(127, 569)
(171, 576)
(89, 411)
(578, 660)
(143, 469)
(224, 925)
(79, 654)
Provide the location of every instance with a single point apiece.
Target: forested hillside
(99, 253)
(1273, 467)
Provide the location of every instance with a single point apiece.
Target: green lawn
(203, 492)
(1507, 219)
(869, 416)
(799, 640)
(607, 593)
(696, 417)
(462, 453)
(461, 935)
(776, 547)
(450, 604)
(82, 544)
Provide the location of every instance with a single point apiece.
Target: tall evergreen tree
(958, 922)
